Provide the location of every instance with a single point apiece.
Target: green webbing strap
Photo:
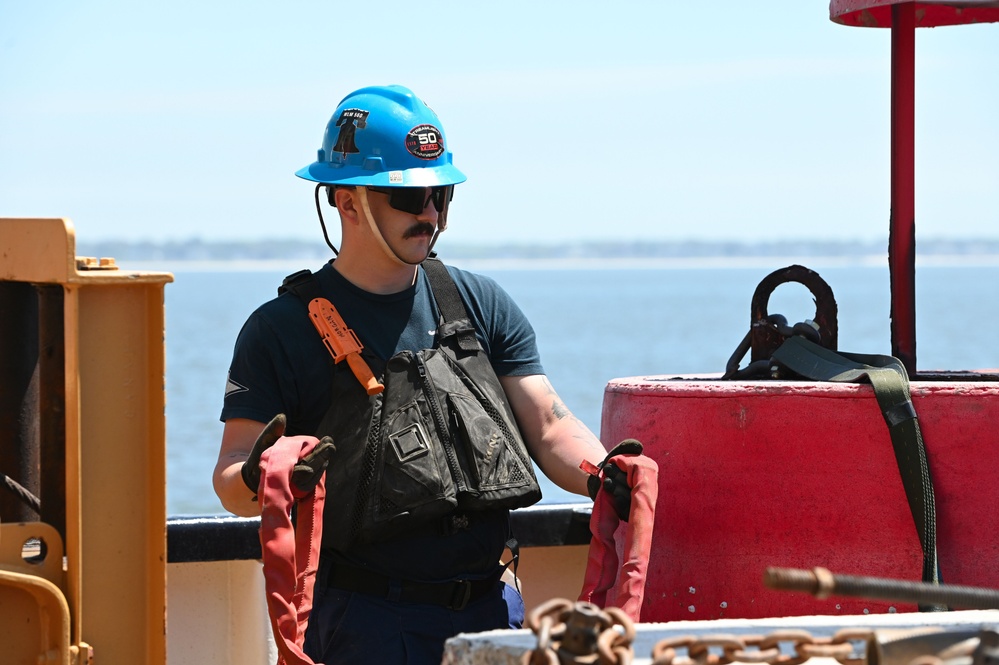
(891, 387)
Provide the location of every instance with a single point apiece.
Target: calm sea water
(592, 324)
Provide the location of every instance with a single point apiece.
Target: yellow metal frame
(115, 540)
(36, 623)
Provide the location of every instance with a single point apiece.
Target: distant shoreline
(196, 254)
(289, 266)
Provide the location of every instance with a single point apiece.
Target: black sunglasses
(414, 200)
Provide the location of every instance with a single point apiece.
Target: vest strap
(449, 301)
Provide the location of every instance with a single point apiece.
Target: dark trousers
(357, 628)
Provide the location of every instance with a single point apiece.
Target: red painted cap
(877, 13)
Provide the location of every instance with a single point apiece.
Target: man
(424, 473)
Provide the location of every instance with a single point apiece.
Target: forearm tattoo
(562, 413)
(559, 409)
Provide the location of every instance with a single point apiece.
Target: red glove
(618, 561)
(307, 471)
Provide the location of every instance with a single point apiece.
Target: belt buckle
(462, 594)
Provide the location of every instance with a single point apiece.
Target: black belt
(455, 595)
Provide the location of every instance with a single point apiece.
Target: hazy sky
(572, 120)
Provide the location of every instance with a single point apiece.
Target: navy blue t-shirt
(280, 365)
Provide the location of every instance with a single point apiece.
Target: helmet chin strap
(441, 226)
(363, 194)
(433, 241)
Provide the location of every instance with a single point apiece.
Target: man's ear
(345, 201)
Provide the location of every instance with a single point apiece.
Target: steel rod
(821, 583)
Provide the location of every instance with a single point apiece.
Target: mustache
(421, 228)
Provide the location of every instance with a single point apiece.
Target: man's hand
(306, 474)
(307, 471)
(272, 431)
(614, 480)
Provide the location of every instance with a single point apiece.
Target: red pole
(902, 235)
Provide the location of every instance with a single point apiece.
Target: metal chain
(755, 649)
(579, 634)
(583, 634)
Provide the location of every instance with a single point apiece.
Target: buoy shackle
(768, 331)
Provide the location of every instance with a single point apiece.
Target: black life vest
(440, 438)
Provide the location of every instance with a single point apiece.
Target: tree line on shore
(276, 249)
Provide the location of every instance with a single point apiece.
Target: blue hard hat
(384, 136)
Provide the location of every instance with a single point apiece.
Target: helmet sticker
(395, 177)
(350, 121)
(425, 142)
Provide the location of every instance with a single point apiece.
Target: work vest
(440, 438)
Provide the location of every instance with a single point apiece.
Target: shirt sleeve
(258, 385)
(508, 334)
